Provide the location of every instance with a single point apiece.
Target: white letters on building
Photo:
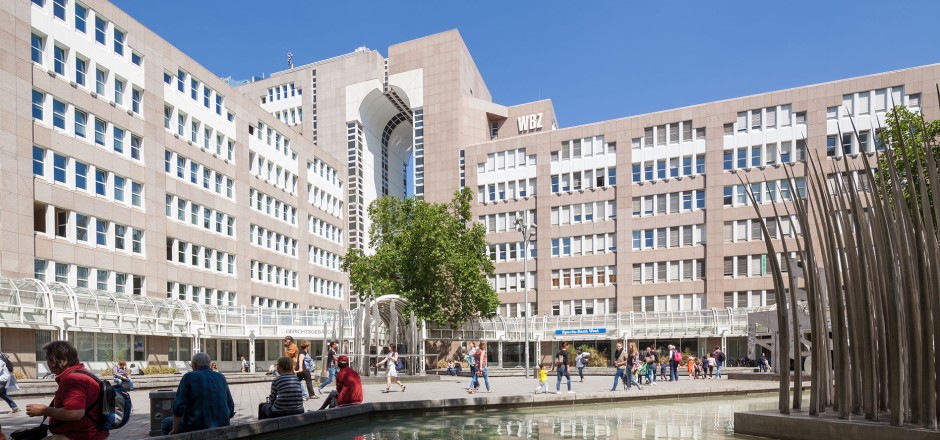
(530, 122)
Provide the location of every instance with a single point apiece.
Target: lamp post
(527, 231)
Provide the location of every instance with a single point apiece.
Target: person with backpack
(203, 400)
(76, 408)
(719, 360)
(620, 363)
(471, 359)
(561, 368)
(394, 363)
(675, 358)
(650, 358)
(303, 368)
(7, 382)
(330, 365)
(481, 368)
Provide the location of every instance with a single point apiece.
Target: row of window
(77, 227)
(325, 171)
(651, 170)
(765, 118)
(273, 207)
(80, 17)
(211, 99)
(770, 191)
(224, 147)
(71, 64)
(198, 174)
(668, 271)
(669, 203)
(750, 298)
(763, 155)
(673, 133)
(325, 201)
(268, 273)
(585, 147)
(282, 91)
(669, 303)
(750, 229)
(324, 229)
(324, 258)
(851, 144)
(75, 174)
(584, 277)
(270, 303)
(199, 294)
(512, 190)
(277, 242)
(212, 219)
(273, 138)
(272, 172)
(505, 221)
(842, 182)
(594, 244)
(199, 257)
(590, 212)
(511, 282)
(516, 310)
(865, 102)
(74, 121)
(291, 117)
(510, 251)
(320, 286)
(575, 307)
(756, 265)
(506, 160)
(673, 237)
(581, 180)
(88, 277)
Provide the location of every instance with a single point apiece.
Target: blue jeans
(5, 397)
(563, 371)
(332, 371)
(130, 384)
(617, 378)
(674, 371)
(651, 373)
(631, 380)
(581, 373)
(474, 379)
(166, 425)
(718, 367)
(486, 378)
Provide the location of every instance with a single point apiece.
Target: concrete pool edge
(802, 426)
(312, 422)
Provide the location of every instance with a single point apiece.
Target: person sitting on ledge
(348, 386)
(203, 400)
(287, 396)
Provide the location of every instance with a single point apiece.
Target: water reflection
(693, 418)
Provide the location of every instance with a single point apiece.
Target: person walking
(675, 358)
(330, 365)
(580, 361)
(719, 360)
(291, 351)
(633, 365)
(8, 383)
(543, 379)
(472, 364)
(391, 361)
(246, 367)
(481, 368)
(302, 371)
(650, 358)
(763, 363)
(711, 365)
(561, 368)
(620, 363)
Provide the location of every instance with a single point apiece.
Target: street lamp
(528, 231)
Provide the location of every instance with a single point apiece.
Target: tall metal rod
(523, 226)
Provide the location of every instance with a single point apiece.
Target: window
(39, 161)
(136, 190)
(101, 78)
(59, 164)
(101, 182)
(101, 233)
(37, 47)
(756, 156)
(81, 17)
(100, 128)
(81, 119)
(180, 80)
(863, 141)
(119, 42)
(103, 277)
(81, 69)
(700, 164)
(58, 9)
(58, 114)
(206, 95)
(119, 232)
(135, 147)
(60, 57)
(119, 91)
(135, 100)
(137, 237)
(81, 175)
(847, 144)
(101, 28)
(194, 88)
(39, 99)
(119, 183)
(81, 227)
(118, 140)
(728, 160)
(136, 59)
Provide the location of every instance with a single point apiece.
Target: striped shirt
(286, 394)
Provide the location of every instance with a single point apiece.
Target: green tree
(910, 138)
(432, 254)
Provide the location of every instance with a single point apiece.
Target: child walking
(543, 380)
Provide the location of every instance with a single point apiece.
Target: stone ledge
(801, 426)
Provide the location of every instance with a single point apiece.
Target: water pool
(695, 418)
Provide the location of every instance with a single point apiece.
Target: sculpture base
(799, 425)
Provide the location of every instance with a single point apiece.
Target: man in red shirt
(76, 408)
(348, 386)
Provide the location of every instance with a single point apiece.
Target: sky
(596, 60)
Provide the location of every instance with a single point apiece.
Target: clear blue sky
(595, 60)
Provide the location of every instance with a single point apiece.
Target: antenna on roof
(290, 60)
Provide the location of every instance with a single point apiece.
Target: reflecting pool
(693, 418)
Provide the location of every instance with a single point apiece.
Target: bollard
(161, 407)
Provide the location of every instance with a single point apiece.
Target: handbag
(34, 433)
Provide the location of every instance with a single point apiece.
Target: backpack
(676, 356)
(559, 360)
(6, 360)
(116, 404)
(721, 356)
(308, 363)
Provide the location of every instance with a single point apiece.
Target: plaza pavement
(248, 396)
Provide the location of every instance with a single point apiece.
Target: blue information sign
(581, 331)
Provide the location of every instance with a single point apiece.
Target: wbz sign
(531, 122)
